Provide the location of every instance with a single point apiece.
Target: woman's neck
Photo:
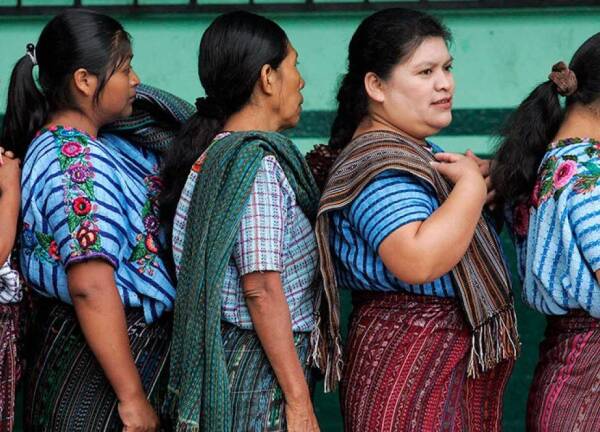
(581, 121)
(251, 117)
(374, 124)
(74, 119)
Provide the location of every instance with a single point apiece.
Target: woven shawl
(199, 388)
(481, 276)
(156, 119)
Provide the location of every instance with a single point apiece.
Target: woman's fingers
(448, 157)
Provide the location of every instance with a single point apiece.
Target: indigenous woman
(243, 202)
(90, 240)
(432, 336)
(10, 287)
(547, 169)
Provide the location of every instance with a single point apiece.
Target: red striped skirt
(406, 369)
(9, 364)
(565, 392)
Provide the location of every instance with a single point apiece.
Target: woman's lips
(445, 103)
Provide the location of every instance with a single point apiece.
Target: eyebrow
(429, 64)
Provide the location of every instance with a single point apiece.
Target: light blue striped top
(558, 236)
(391, 200)
(84, 198)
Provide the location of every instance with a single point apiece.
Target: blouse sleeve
(584, 217)
(390, 201)
(83, 204)
(260, 238)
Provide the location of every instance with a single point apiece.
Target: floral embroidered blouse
(85, 198)
(557, 234)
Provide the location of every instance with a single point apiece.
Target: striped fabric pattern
(10, 364)
(565, 392)
(406, 369)
(274, 235)
(10, 284)
(67, 390)
(256, 397)
(559, 250)
(391, 200)
(481, 276)
(85, 198)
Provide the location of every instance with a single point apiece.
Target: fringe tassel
(187, 426)
(493, 341)
(330, 363)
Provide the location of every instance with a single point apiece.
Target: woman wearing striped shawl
(90, 244)
(242, 203)
(548, 171)
(432, 336)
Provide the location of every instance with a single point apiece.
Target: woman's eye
(426, 72)
(449, 67)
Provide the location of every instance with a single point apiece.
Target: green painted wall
(499, 57)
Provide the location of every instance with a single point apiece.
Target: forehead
(430, 50)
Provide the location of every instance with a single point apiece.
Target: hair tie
(30, 51)
(564, 79)
(207, 107)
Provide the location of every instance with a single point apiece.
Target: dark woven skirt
(565, 392)
(67, 390)
(406, 369)
(256, 397)
(9, 364)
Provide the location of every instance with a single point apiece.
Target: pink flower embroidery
(71, 149)
(563, 174)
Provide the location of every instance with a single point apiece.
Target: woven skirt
(565, 392)
(9, 364)
(66, 387)
(256, 398)
(406, 369)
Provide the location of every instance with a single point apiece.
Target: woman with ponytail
(90, 243)
(432, 336)
(243, 203)
(547, 171)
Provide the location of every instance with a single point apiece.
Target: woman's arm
(10, 200)
(271, 319)
(421, 252)
(101, 315)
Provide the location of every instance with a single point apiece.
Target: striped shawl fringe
(481, 276)
(199, 393)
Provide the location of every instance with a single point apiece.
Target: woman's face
(117, 96)
(416, 98)
(289, 85)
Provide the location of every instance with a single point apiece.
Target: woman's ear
(267, 79)
(84, 82)
(374, 87)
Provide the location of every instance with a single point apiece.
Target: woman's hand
(300, 415)
(138, 415)
(456, 167)
(485, 167)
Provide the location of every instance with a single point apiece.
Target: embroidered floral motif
(558, 172)
(145, 252)
(42, 245)
(74, 159)
(521, 220)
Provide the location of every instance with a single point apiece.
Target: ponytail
(26, 109)
(193, 140)
(352, 108)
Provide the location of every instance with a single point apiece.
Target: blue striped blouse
(84, 198)
(392, 199)
(558, 235)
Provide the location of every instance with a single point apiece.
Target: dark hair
(532, 126)
(233, 51)
(71, 40)
(380, 42)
